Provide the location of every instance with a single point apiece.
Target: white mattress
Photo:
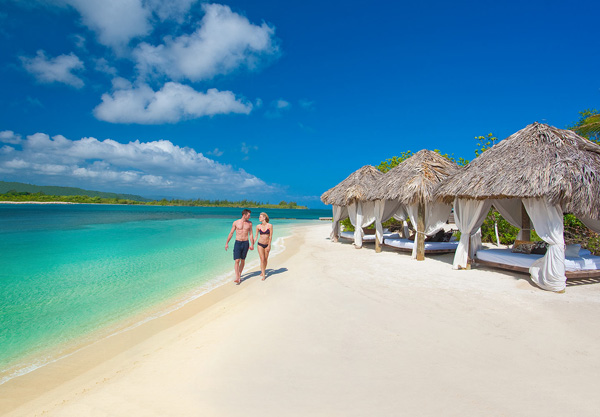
(368, 238)
(586, 262)
(408, 244)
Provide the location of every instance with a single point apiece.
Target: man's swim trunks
(240, 249)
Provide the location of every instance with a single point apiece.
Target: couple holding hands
(243, 231)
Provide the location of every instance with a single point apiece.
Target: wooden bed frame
(523, 270)
(427, 251)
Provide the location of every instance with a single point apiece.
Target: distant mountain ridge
(56, 190)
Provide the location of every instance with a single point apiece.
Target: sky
(275, 100)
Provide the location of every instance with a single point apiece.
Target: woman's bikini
(267, 232)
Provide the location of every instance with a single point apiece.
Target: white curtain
(385, 210)
(469, 216)
(339, 213)
(511, 210)
(436, 215)
(548, 272)
(591, 223)
(362, 214)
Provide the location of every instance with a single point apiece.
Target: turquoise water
(71, 271)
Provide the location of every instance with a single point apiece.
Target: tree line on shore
(25, 196)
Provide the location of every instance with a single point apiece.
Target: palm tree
(588, 125)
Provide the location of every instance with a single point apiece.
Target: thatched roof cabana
(537, 161)
(354, 188)
(536, 175)
(348, 199)
(410, 187)
(415, 179)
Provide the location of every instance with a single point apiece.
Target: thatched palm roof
(537, 161)
(414, 179)
(354, 188)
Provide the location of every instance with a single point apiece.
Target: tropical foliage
(24, 196)
(588, 125)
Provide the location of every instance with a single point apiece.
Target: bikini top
(268, 232)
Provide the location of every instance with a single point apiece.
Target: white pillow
(572, 251)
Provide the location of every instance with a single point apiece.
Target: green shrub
(575, 232)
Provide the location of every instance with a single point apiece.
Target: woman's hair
(266, 216)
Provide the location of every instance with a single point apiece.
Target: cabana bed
(584, 266)
(368, 238)
(407, 245)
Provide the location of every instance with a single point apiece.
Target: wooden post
(420, 238)
(525, 224)
(469, 260)
(377, 244)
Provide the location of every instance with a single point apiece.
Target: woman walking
(264, 236)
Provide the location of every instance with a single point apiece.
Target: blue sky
(271, 100)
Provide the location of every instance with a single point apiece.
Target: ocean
(70, 274)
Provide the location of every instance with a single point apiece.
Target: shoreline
(337, 331)
(132, 331)
(56, 354)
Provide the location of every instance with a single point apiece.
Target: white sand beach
(336, 331)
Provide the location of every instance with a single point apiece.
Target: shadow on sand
(269, 273)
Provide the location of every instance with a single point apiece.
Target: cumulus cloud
(150, 166)
(58, 69)
(224, 42)
(172, 103)
(115, 22)
(170, 10)
(8, 136)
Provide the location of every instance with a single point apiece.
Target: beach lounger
(584, 266)
(370, 238)
(406, 245)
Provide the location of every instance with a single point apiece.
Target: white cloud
(307, 104)
(102, 65)
(277, 107)
(224, 42)
(8, 136)
(115, 22)
(216, 152)
(282, 104)
(170, 10)
(150, 167)
(58, 69)
(245, 149)
(33, 101)
(172, 103)
(79, 41)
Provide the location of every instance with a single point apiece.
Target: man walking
(242, 229)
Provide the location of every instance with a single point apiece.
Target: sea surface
(70, 274)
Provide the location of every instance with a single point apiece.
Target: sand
(336, 331)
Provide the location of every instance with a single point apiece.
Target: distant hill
(54, 190)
